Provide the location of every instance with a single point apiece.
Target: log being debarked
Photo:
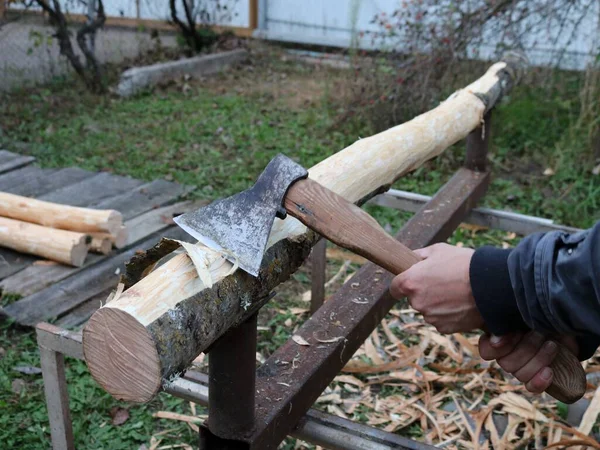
(158, 326)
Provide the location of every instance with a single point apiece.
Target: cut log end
(121, 356)
(114, 222)
(101, 245)
(79, 251)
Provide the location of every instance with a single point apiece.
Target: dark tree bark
(197, 35)
(90, 72)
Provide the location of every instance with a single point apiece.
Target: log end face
(114, 222)
(121, 356)
(122, 237)
(79, 250)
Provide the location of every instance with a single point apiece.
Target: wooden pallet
(69, 295)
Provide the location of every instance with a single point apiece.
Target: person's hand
(527, 356)
(440, 289)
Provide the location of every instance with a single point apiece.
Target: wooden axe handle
(350, 227)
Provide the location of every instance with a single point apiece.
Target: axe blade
(240, 225)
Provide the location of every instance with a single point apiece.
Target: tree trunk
(67, 247)
(155, 329)
(55, 215)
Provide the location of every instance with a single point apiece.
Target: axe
(240, 226)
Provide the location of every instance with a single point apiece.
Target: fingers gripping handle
(350, 227)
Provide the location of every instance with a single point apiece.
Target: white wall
(331, 22)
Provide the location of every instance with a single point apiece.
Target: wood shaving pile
(437, 388)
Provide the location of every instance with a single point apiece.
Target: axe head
(240, 225)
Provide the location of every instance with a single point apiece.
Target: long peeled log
(155, 329)
(67, 247)
(84, 220)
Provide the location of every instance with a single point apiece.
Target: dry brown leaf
(466, 344)
(350, 380)
(372, 353)
(389, 334)
(119, 416)
(336, 411)
(519, 406)
(494, 436)
(362, 367)
(472, 227)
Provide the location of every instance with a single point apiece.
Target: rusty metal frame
(257, 409)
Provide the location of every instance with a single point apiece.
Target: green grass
(220, 142)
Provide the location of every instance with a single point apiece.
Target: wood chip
(300, 340)
(176, 416)
(591, 414)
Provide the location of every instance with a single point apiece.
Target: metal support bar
(495, 219)
(232, 373)
(477, 145)
(318, 259)
(294, 376)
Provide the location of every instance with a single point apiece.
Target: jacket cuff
(493, 291)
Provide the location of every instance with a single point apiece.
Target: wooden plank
(15, 180)
(36, 277)
(57, 398)
(158, 219)
(32, 181)
(92, 191)
(11, 161)
(71, 292)
(79, 315)
(12, 262)
(145, 197)
(56, 180)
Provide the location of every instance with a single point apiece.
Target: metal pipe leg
(232, 378)
(318, 273)
(57, 399)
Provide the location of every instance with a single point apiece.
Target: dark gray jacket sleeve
(549, 283)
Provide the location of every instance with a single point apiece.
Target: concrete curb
(137, 79)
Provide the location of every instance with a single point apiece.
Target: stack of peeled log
(58, 232)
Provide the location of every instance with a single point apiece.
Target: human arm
(549, 283)
(528, 287)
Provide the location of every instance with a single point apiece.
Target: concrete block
(137, 79)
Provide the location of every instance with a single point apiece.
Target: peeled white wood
(54, 215)
(67, 247)
(131, 325)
